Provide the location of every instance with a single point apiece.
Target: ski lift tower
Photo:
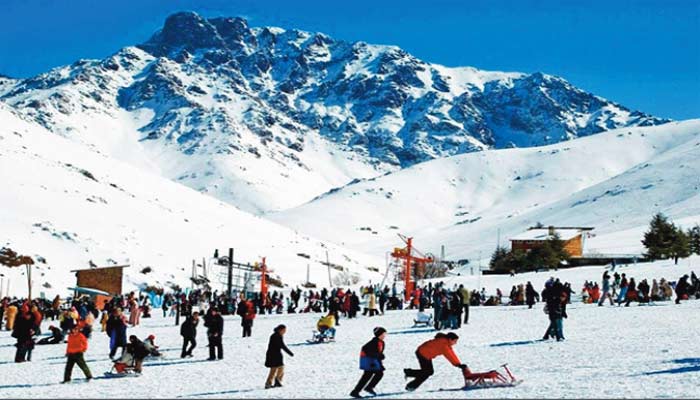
(412, 263)
(239, 277)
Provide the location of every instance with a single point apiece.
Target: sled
(490, 379)
(425, 322)
(110, 374)
(318, 337)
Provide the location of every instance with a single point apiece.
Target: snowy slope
(609, 352)
(266, 119)
(69, 205)
(613, 181)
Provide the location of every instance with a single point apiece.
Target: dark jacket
(23, 329)
(188, 329)
(372, 355)
(273, 357)
(116, 327)
(137, 349)
(214, 324)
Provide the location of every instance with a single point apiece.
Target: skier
(371, 357)
(426, 352)
(77, 346)
(188, 331)
(215, 328)
(274, 359)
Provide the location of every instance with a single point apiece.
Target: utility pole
(307, 274)
(229, 281)
(328, 264)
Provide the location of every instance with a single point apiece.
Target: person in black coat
(138, 351)
(188, 331)
(371, 358)
(273, 357)
(215, 328)
(55, 338)
(23, 332)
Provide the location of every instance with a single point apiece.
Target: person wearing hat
(371, 357)
(426, 352)
(151, 346)
(274, 359)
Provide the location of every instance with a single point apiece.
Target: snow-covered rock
(266, 118)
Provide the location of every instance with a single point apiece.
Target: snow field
(633, 352)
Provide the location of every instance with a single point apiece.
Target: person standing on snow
(188, 331)
(274, 359)
(466, 298)
(77, 346)
(246, 310)
(606, 290)
(116, 330)
(215, 329)
(441, 345)
(371, 358)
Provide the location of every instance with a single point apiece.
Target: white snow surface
(51, 209)
(610, 352)
(613, 181)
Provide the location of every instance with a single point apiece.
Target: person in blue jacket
(371, 358)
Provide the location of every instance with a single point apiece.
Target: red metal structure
(405, 254)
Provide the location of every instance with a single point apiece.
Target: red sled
(492, 378)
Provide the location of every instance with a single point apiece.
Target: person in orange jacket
(440, 345)
(77, 346)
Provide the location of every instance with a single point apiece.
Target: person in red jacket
(440, 345)
(77, 346)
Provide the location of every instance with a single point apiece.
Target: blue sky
(643, 54)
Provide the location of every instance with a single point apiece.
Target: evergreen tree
(680, 248)
(694, 238)
(659, 238)
(499, 260)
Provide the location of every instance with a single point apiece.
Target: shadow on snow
(693, 366)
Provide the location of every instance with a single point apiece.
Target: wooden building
(108, 279)
(573, 237)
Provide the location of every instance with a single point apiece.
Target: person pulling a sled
(371, 358)
(441, 345)
(77, 346)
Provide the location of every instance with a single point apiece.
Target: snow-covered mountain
(65, 205)
(613, 181)
(267, 119)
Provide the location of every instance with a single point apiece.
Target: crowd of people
(73, 319)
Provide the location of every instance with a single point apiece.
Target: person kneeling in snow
(55, 338)
(77, 346)
(426, 352)
(150, 345)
